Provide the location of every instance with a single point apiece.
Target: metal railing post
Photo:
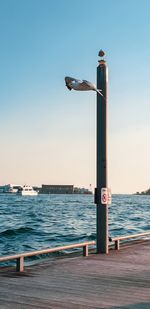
(20, 264)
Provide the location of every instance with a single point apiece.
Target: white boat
(27, 190)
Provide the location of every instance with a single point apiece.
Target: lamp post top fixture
(101, 54)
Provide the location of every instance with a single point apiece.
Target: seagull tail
(99, 91)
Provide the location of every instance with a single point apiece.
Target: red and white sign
(105, 196)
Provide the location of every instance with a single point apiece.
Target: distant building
(56, 189)
(62, 189)
(81, 191)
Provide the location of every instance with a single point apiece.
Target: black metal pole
(102, 208)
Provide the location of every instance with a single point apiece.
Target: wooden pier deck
(118, 280)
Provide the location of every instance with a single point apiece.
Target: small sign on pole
(105, 196)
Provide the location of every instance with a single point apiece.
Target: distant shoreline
(146, 192)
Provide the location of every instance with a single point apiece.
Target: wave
(18, 231)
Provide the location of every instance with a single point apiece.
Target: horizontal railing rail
(20, 256)
(117, 239)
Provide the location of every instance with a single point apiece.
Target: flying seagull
(81, 85)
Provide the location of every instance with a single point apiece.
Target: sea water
(31, 223)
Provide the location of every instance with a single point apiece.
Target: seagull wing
(87, 85)
(93, 87)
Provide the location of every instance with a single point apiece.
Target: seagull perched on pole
(81, 85)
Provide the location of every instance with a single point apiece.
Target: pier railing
(117, 239)
(85, 245)
(20, 256)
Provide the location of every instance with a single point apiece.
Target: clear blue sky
(48, 133)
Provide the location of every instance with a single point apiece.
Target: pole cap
(101, 53)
